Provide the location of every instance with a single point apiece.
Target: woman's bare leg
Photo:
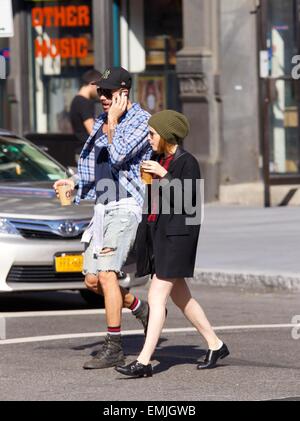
(192, 310)
(157, 298)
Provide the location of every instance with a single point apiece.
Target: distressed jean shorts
(120, 227)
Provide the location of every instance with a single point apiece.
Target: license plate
(69, 263)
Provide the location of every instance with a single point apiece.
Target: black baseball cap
(115, 78)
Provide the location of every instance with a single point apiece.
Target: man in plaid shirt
(109, 172)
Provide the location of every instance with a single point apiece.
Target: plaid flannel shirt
(128, 149)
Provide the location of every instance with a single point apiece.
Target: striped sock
(114, 331)
(135, 305)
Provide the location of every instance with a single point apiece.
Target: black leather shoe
(135, 369)
(212, 357)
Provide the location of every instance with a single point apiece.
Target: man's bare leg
(92, 283)
(115, 298)
(111, 352)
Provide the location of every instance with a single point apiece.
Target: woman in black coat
(168, 236)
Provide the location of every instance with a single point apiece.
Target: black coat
(174, 241)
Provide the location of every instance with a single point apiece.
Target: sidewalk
(250, 247)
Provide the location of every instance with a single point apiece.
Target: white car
(39, 239)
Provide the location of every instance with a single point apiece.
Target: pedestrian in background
(82, 110)
(113, 154)
(171, 243)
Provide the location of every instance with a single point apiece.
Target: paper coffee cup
(146, 177)
(65, 194)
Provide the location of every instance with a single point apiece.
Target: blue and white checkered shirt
(128, 149)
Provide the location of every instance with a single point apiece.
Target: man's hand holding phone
(117, 109)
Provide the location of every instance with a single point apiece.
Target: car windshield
(22, 161)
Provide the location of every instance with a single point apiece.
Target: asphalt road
(264, 363)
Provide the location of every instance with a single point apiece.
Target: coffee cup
(65, 194)
(146, 177)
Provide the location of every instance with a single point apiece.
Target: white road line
(54, 313)
(139, 332)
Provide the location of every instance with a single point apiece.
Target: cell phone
(125, 92)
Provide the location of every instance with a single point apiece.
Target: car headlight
(7, 228)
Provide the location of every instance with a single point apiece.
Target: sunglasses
(105, 92)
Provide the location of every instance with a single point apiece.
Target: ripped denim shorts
(120, 227)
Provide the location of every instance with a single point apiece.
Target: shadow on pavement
(132, 345)
(42, 301)
(170, 356)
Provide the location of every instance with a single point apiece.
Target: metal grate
(41, 274)
(44, 235)
(50, 230)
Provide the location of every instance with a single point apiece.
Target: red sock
(114, 330)
(135, 305)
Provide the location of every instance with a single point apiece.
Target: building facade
(218, 61)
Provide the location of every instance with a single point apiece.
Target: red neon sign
(62, 47)
(61, 16)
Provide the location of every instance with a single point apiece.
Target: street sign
(6, 19)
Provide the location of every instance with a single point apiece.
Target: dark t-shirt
(104, 173)
(82, 109)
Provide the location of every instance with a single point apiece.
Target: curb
(247, 280)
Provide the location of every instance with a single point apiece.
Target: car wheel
(92, 298)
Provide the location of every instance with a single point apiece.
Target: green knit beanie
(170, 125)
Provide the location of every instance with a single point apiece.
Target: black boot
(135, 369)
(212, 357)
(142, 314)
(110, 355)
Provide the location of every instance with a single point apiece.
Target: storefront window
(284, 105)
(284, 134)
(282, 35)
(158, 86)
(61, 47)
(163, 34)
